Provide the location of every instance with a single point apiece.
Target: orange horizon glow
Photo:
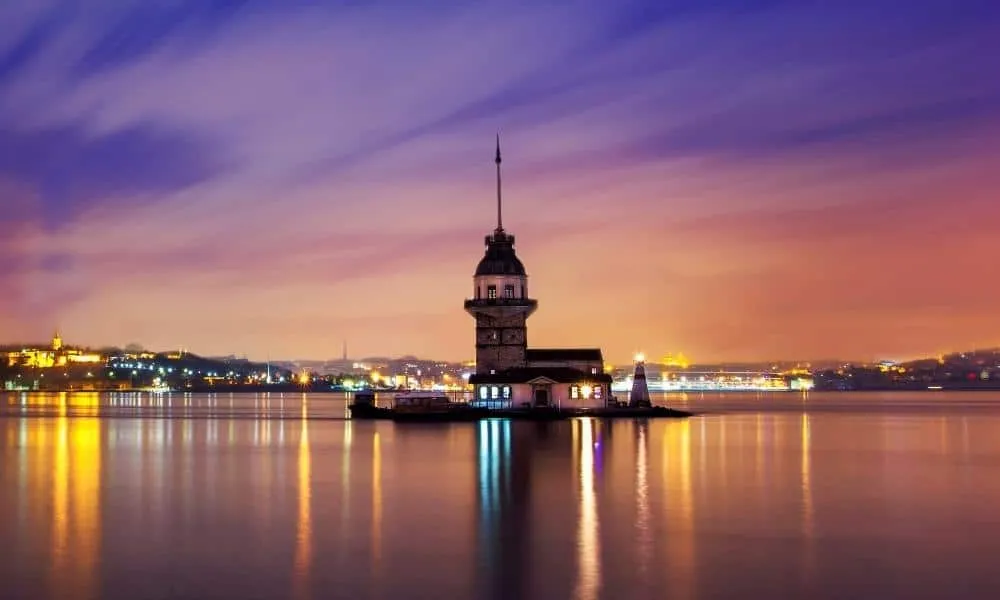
(731, 200)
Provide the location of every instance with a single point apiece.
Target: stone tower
(500, 302)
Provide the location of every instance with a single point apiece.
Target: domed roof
(500, 258)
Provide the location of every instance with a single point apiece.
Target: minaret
(500, 302)
(640, 391)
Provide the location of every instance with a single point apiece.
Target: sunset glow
(789, 181)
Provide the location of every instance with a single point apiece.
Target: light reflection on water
(588, 540)
(896, 500)
(303, 537)
(643, 531)
(679, 507)
(376, 542)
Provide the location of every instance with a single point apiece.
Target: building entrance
(541, 397)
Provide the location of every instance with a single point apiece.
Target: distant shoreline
(300, 390)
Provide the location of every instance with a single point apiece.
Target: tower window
(491, 292)
(508, 291)
(479, 292)
(522, 291)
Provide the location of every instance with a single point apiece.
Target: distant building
(56, 355)
(508, 373)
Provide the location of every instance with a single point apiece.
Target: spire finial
(499, 198)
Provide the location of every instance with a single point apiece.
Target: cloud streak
(708, 177)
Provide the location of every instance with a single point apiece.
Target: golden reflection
(588, 541)
(758, 466)
(643, 528)
(86, 467)
(575, 428)
(677, 452)
(22, 466)
(303, 546)
(808, 516)
(345, 472)
(76, 502)
(687, 503)
(60, 495)
(680, 553)
(61, 404)
(376, 500)
(807, 500)
(723, 453)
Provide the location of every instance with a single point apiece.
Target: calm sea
(763, 496)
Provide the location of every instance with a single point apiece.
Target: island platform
(431, 407)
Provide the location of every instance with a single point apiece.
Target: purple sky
(734, 180)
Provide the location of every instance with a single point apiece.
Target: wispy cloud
(186, 171)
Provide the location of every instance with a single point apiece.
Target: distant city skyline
(675, 358)
(738, 183)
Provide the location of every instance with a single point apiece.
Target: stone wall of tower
(510, 356)
(498, 358)
(501, 352)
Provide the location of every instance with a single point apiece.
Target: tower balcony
(480, 302)
(501, 306)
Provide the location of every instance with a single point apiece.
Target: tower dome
(500, 258)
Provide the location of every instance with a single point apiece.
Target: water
(782, 496)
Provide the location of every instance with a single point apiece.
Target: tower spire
(499, 198)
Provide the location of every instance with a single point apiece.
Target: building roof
(500, 258)
(528, 374)
(563, 354)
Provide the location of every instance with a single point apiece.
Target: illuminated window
(593, 370)
(491, 292)
(506, 392)
(483, 392)
(597, 392)
(574, 391)
(494, 392)
(508, 291)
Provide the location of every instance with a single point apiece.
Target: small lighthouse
(640, 391)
